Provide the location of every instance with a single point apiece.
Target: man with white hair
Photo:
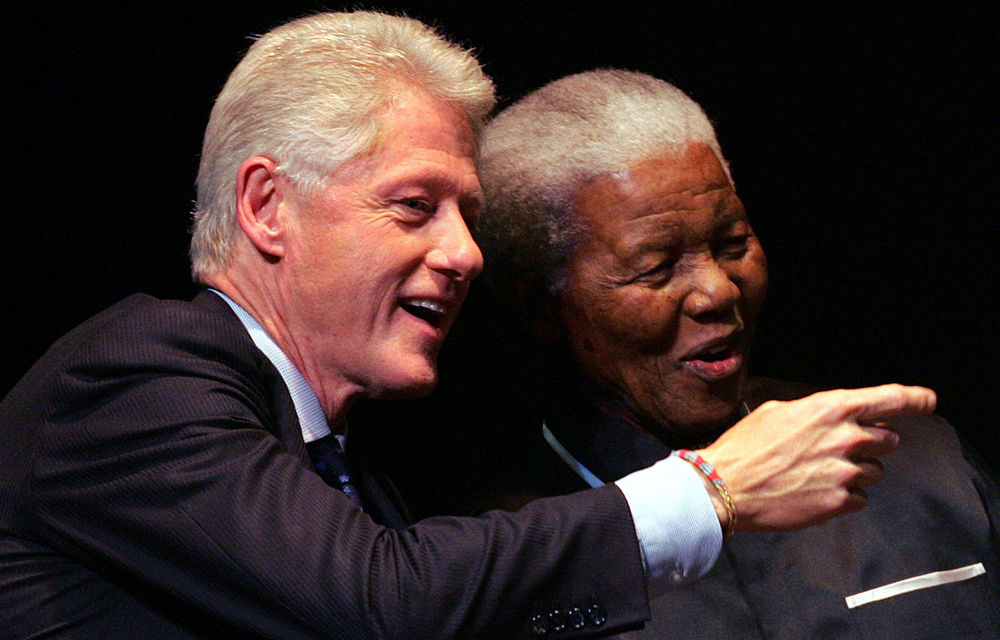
(176, 469)
(613, 227)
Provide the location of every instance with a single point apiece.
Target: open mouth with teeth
(427, 310)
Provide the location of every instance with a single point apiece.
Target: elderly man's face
(663, 292)
(381, 257)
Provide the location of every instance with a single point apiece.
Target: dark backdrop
(863, 140)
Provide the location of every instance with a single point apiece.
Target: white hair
(536, 154)
(311, 95)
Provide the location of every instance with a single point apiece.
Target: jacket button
(539, 625)
(558, 621)
(596, 615)
(576, 618)
(677, 574)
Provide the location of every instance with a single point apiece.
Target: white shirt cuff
(675, 521)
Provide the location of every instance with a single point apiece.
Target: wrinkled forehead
(691, 179)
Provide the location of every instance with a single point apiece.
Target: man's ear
(260, 207)
(538, 308)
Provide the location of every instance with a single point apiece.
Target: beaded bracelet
(702, 465)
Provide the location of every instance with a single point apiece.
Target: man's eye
(658, 274)
(418, 204)
(734, 246)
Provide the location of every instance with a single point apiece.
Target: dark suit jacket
(154, 484)
(933, 511)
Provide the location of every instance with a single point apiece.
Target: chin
(700, 416)
(413, 383)
(718, 402)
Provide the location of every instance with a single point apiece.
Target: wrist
(725, 507)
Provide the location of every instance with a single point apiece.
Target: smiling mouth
(429, 311)
(716, 361)
(721, 352)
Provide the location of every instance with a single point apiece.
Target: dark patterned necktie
(328, 457)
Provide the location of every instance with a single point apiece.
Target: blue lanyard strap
(568, 458)
(578, 467)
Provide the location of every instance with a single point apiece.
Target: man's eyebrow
(438, 184)
(435, 180)
(729, 211)
(656, 229)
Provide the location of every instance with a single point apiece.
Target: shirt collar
(312, 420)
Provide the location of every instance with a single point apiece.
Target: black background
(862, 136)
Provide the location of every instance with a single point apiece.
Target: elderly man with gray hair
(612, 225)
(176, 469)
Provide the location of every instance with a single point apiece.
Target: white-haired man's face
(663, 291)
(380, 258)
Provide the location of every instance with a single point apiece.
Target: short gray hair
(310, 95)
(536, 154)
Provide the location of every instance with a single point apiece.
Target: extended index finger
(874, 403)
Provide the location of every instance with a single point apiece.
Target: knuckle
(770, 405)
(861, 440)
(834, 401)
(896, 394)
(842, 473)
(835, 501)
(851, 475)
(843, 441)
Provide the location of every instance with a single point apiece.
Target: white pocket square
(925, 581)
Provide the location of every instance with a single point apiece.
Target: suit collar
(284, 422)
(312, 420)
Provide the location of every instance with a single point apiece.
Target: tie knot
(331, 464)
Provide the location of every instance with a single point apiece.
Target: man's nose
(712, 291)
(455, 252)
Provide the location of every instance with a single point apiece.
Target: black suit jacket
(933, 511)
(154, 484)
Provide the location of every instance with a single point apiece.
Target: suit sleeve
(160, 469)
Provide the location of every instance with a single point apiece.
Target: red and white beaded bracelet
(706, 468)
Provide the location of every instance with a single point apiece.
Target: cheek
(630, 321)
(649, 320)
